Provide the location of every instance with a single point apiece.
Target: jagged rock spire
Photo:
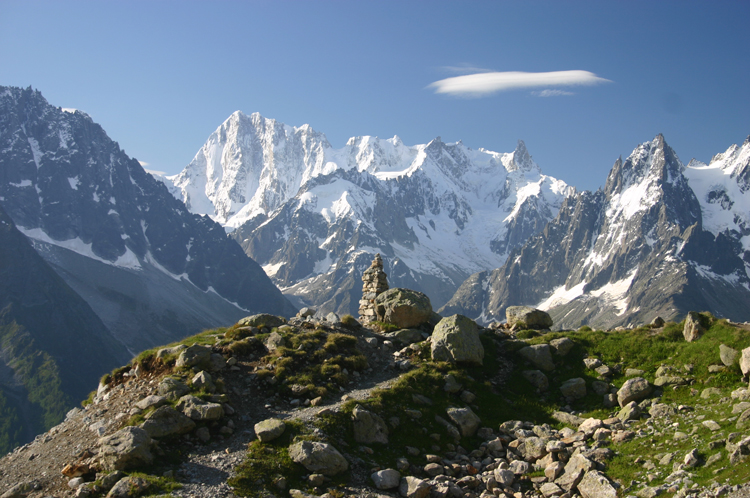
(374, 282)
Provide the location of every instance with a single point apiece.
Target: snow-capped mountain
(150, 269)
(314, 216)
(644, 246)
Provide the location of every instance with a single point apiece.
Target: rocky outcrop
(693, 328)
(127, 448)
(368, 427)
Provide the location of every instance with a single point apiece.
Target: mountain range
(315, 216)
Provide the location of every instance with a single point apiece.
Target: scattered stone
(561, 346)
(172, 388)
(729, 356)
(745, 362)
(318, 457)
(166, 421)
(466, 420)
(634, 389)
(413, 487)
(269, 429)
(199, 410)
(368, 427)
(657, 322)
(126, 448)
(539, 355)
(574, 388)
(152, 401)
(693, 328)
(386, 479)
(595, 485)
(537, 379)
(262, 320)
(128, 487)
(631, 411)
(193, 355)
(532, 318)
(456, 339)
(203, 380)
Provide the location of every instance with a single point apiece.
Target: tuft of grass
(384, 327)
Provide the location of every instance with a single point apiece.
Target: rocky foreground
(410, 405)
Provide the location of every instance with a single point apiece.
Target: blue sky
(160, 76)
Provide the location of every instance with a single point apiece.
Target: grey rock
(20, 490)
(519, 467)
(333, 317)
(128, 487)
(531, 317)
(274, 341)
(269, 429)
(551, 489)
(729, 356)
(562, 346)
(693, 328)
(203, 380)
(318, 457)
(404, 308)
(504, 477)
(743, 421)
(539, 355)
(456, 339)
(466, 420)
(537, 379)
(451, 384)
(386, 479)
(532, 448)
(405, 336)
(126, 448)
(216, 362)
(745, 362)
(634, 389)
(567, 418)
(595, 485)
(172, 388)
(413, 487)
(262, 320)
(203, 434)
(164, 352)
(574, 388)
(200, 410)
(599, 387)
(194, 355)
(369, 427)
(631, 411)
(166, 421)
(657, 322)
(152, 401)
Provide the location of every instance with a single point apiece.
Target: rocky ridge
(431, 428)
(646, 245)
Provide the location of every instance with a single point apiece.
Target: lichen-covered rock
(574, 388)
(634, 389)
(404, 308)
(532, 318)
(413, 487)
(386, 479)
(262, 320)
(269, 429)
(318, 457)
(172, 388)
(194, 355)
(166, 421)
(729, 356)
(456, 339)
(466, 420)
(561, 346)
(200, 410)
(127, 448)
(693, 328)
(128, 487)
(595, 485)
(368, 427)
(540, 355)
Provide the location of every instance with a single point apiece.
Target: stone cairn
(374, 282)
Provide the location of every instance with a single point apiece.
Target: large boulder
(128, 487)
(166, 421)
(693, 328)
(729, 356)
(745, 362)
(368, 427)
(386, 479)
(172, 388)
(634, 389)
(414, 487)
(320, 458)
(403, 308)
(574, 388)
(540, 355)
(532, 318)
(456, 339)
(127, 448)
(262, 320)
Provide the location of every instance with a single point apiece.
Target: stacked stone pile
(374, 282)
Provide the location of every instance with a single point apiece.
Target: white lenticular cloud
(552, 93)
(143, 163)
(481, 84)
